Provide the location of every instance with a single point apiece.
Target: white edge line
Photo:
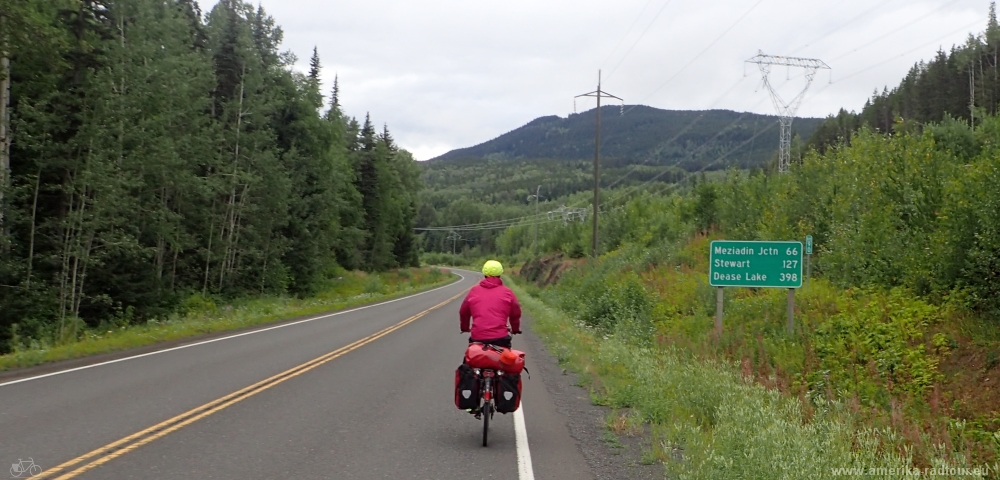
(28, 379)
(524, 470)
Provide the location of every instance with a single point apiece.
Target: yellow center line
(122, 446)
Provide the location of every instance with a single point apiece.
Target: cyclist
(491, 305)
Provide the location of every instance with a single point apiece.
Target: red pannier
(479, 355)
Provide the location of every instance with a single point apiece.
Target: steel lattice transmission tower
(786, 110)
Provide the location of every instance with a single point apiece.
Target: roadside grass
(201, 316)
(710, 421)
(926, 368)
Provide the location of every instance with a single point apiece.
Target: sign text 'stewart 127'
(755, 264)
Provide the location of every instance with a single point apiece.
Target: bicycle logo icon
(24, 469)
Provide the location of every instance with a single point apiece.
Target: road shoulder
(595, 454)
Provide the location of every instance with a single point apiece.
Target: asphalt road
(375, 402)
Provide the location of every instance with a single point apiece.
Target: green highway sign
(755, 264)
(809, 244)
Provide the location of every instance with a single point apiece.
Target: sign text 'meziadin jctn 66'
(755, 264)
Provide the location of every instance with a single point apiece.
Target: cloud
(451, 74)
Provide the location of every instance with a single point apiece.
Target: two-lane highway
(365, 393)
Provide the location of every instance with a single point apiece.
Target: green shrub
(197, 304)
(614, 303)
(882, 335)
(374, 284)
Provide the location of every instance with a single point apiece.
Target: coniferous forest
(153, 152)
(963, 83)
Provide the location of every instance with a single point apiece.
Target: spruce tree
(314, 66)
(335, 96)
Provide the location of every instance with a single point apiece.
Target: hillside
(691, 140)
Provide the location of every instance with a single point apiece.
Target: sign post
(718, 310)
(791, 311)
(755, 264)
(809, 254)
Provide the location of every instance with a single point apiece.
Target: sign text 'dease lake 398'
(755, 264)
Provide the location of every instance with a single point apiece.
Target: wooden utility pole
(536, 197)
(454, 237)
(597, 154)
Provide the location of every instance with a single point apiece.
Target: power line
(841, 26)
(714, 162)
(679, 72)
(757, 134)
(678, 135)
(526, 220)
(493, 222)
(529, 220)
(692, 155)
(664, 7)
(710, 45)
(459, 228)
(499, 224)
(695, 152)
(634, 23)
(896, 57)
(463, 228)
(932, 12)
(636, 166)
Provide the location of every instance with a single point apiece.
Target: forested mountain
(645, 147)
(963, 83)
(644, 135)
(157, 152)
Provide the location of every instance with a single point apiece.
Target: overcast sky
(449, 74)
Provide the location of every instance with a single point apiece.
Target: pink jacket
(489, 305)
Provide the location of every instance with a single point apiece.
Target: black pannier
(508, 393)
(466, 388)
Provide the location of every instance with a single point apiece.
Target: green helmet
(492, 268)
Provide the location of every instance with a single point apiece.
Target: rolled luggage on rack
(506, 360)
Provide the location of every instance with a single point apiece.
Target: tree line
(643, 135)
(963, 83)
(916, 210)
(153, 152)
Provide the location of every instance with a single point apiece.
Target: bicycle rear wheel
(487, 409)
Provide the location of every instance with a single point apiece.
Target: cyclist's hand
(516, 333)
